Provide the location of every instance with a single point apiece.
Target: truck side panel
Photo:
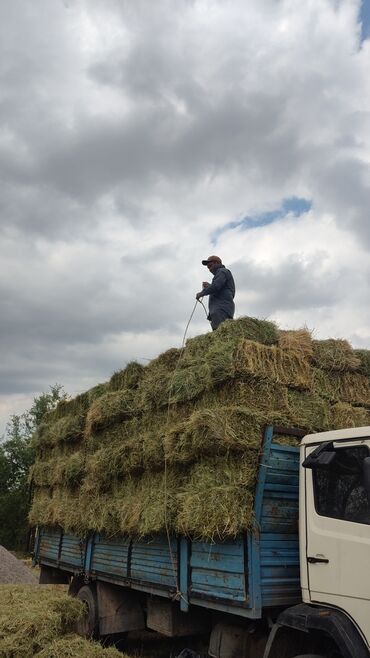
(278, 540)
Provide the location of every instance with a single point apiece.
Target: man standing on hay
(221, 292)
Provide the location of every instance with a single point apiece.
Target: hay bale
(211, 432)
(70, 407)
(65, 469)
(335, 355)
(97, 391)
(109, 409)
(113, 461)
(364, 358)
(129, 377)
(274, 364)
(216, 499)
(350, 387)
(344, 415)
(296, 340)
(145, 505)
(67, 429)
(308, 411)
(260, 331)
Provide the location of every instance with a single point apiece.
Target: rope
(178, 591)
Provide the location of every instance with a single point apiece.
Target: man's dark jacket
(221, 292)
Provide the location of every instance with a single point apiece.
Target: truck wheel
(87, 625)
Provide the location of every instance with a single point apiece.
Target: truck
(296, 585)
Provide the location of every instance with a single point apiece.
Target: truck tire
(88, 624)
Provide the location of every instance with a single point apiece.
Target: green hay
(109, 409)
(260, 331)
(65, 470)
(211, 432)
(68, 429)
(74, 646)
(272, 363)
(112, 462)
(97, 391)
(296, 340)
(364, 358)
(335, 355)
(145, 505)
(130, 377)
(261, 395)
(216, 500)
(344, 415)
(73, 407)
(31, 617)
(350, 387)
(309, 412)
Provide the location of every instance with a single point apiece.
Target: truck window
(339, 491)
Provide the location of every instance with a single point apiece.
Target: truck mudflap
(328, 621)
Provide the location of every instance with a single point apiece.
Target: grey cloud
(292, 285)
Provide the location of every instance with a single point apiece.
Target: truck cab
(334, 531)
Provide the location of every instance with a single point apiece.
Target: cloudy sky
(138, 137)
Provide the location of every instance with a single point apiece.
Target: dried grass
(211, 432)
(308, 411)
(31, 617)
(350, 387)
(130, 377)
(335, 355)
(109, 409)
(364, 358)
(39, 621)
(216, 500)
(344, 415)
(296, 340)
(272, 363)
(73, 646)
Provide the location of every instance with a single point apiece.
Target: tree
(16, 457)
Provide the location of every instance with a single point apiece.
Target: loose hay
(39, 621)
(73, 646)
(31, 617)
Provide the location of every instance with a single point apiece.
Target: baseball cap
(212, 259)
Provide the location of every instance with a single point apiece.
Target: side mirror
(366, 475)
(322, 457)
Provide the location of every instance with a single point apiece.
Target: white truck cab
(334, 529)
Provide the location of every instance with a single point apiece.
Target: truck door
(338, 531)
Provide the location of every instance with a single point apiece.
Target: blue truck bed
(241, 576)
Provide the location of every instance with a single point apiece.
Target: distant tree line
(16, 458)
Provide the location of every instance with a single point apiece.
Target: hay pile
(40, 621)
(178, 441)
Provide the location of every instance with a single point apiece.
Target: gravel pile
(13, 570)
